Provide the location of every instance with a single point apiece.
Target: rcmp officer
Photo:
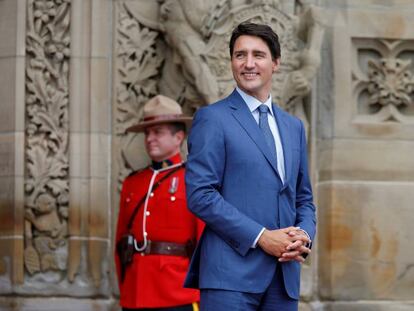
(156, 233)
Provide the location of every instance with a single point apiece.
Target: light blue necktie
(264, 126)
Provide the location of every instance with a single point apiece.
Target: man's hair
(176, 127)
(258, 30)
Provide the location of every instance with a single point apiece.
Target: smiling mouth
(250, 74)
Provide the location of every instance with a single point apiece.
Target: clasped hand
(287, 244)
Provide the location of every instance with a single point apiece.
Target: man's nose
(149, 137)
(249, 61)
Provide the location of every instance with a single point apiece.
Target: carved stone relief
(194, 38)
(46, 180)
(138, 59)
(197, 34)
(383, 80)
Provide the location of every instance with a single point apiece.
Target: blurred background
(74, 74)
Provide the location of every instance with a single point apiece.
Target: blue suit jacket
(234, 187)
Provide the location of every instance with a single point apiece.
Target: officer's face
(161, 143)
(253, 66)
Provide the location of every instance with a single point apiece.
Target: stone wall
(365, 169)
(75, 74)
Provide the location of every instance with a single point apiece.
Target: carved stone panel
(47, 99)
(383, 80)
(137, 67)
(373, 66)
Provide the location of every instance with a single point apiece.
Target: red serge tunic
(157, 280)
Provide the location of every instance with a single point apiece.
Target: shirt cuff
(258, 237)
(308, 244)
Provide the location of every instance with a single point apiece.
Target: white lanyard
(144, 218)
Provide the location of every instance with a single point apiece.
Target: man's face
(161, 143)
(252, 66)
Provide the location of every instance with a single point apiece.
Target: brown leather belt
(167, 248)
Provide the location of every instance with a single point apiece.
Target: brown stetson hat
(160, 109)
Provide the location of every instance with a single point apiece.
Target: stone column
(89, 251)
(12, 125)
(55, 198)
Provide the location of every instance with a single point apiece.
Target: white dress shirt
(253, 104)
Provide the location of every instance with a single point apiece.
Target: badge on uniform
(173, 187)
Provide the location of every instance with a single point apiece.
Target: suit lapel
(286, 139)
(243, 115)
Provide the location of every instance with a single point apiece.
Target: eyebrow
(244, 51)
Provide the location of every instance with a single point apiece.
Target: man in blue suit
(247, 179)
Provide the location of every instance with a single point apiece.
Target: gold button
(151, 194)
(147, 213)
(173, 198)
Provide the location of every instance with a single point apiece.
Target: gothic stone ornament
(391, 86)
(384, 81)
(46, 181)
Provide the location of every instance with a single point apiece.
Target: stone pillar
(89, 203)
(12, 126)
(55, 198)
(366, 167)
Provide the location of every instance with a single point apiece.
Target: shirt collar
(253, 103)
(176, 159)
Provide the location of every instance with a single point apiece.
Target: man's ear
(180, 136)
(275, 65)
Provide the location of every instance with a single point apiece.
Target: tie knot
(263, 109)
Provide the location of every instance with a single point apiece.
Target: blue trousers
(274, 298)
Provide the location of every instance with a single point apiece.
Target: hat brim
(140, 127)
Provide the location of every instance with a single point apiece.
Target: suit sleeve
(204, 178)
(305, 209)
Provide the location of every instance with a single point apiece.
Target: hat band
(163, 117)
